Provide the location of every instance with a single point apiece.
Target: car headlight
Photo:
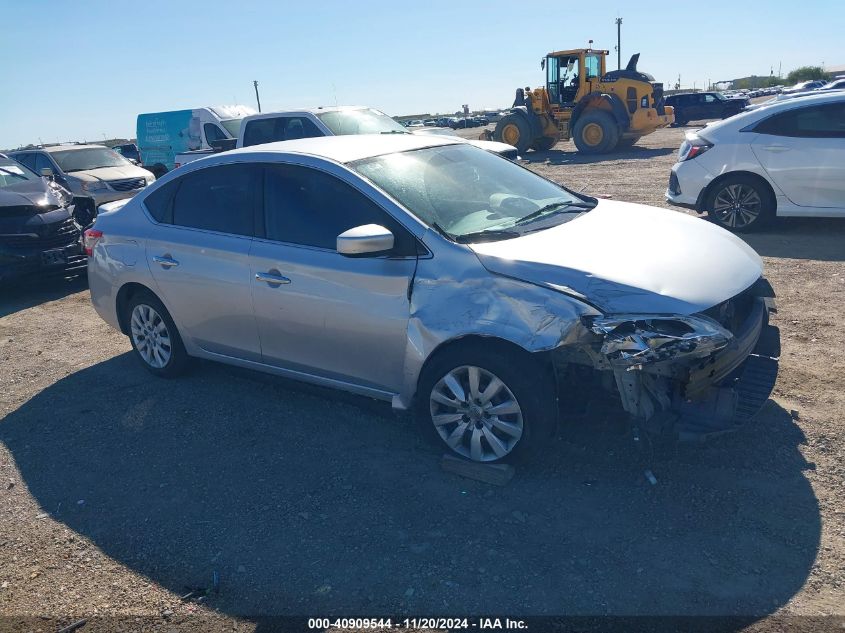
(95, 185)
(642, 339)
(150, 179)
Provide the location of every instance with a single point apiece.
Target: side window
(42, 162)
(220, 198)
(709, 99)
(160, 202)
(213, 133)
(27, 159)
(308, 207)
(821, 121)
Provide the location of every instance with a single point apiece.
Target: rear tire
(511, 415)
(154, 337)
(627, 143)
(514, 130)
(596, 132)
(544, 144)
(740, 204)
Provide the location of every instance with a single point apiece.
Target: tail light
(90, 239)
(693, 146)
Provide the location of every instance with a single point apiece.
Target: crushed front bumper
(728, 389)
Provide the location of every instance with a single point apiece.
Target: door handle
(775, 148)
(165, 261)
(272, 277)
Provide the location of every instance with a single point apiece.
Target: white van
(162, 135)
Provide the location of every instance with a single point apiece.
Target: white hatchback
(786, 159)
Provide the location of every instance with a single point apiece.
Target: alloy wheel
(150, 335)
(737, 206)
(476, 414)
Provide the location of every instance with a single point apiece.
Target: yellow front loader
(600, 110)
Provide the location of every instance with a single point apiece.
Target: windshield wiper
(484, 236)
(554, 206)
(395, 132)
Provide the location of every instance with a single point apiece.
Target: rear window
(272, 129)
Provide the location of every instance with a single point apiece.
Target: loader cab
(572, 74)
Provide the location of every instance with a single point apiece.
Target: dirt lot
(120, 492)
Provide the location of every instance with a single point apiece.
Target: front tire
(740, 204)
(596, 132)
(487, 404)
(514, 130)
(154, 337)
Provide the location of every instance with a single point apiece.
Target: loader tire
(544, 143)
(514, 130)
(596, 132)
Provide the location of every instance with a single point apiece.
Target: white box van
(162, 135)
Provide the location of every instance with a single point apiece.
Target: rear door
(338, 317)
(198, 255)
(803, 152)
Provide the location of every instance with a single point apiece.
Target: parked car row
(450, 122)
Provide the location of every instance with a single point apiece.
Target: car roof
(315, 111)
(65, 148)
(350, 147)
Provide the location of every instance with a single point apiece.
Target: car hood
(110, 173)
(32, 193)
(492, 146)
(631, 258)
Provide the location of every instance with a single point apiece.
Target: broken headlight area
(636, 340)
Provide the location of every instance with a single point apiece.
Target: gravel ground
(120, 492)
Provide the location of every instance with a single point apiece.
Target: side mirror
(369, 239)
(46, 171)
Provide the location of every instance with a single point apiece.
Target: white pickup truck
(270, 127)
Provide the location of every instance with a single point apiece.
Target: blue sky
(80, 70)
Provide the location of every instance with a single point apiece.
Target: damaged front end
(696, 375)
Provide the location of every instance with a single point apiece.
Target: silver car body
(368, 325)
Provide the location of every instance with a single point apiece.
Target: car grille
(49, 236)
(127, 184)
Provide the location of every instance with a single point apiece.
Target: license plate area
(54, 257)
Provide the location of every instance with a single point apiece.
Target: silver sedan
(438, 276)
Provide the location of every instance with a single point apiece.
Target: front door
(803, 151)
(199, 257)
(318, 311)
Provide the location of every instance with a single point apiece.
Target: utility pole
(618, 43)
(257, 98)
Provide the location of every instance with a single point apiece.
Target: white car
(786, 159)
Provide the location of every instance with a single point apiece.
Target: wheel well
(505, 347)
(699, 205)
(126, 292)
(617, 108)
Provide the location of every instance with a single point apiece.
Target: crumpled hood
(32, 193)
(627, 257)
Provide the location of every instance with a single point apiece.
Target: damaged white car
(438, 276)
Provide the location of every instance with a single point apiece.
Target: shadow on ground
(574, 157)
(307, 502)
(801, 238)
(26, 294)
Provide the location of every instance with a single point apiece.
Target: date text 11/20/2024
(441, 624)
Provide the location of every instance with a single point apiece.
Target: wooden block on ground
(497, 474)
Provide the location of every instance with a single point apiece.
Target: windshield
(233, 126)
(13, 173)
(89, 158)
(470, 194)
(360, 121)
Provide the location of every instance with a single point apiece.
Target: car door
(320, 312)
(803, 152)
(198, 254)
(711, 107)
